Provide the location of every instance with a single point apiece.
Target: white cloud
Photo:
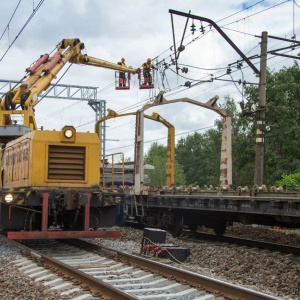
(137, 30)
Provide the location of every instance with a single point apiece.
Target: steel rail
(217, 287)
(200, 236)
(97, 287)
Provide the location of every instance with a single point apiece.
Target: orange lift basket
(146, 83)
(122, 80)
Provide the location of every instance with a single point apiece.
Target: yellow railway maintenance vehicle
(50, 179)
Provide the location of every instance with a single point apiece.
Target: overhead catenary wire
(238, 19)
(254, 14)
(164, 138)
(220, 20)
(147, 141)
(246, 8)
(24, 26)
(262, 11)
(173, 92)
(179, 89)
(296, 3)
(7, 26)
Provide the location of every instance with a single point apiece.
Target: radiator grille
(66, 163)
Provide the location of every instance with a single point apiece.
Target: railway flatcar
(175, 209)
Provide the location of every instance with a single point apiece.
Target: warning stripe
(18, 194)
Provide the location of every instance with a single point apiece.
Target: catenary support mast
(261, 115)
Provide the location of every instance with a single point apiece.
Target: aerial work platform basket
(122, 80)
(146, 83)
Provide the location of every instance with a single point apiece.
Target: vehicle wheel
(32, 221)
(193, 227)
(220, 227)
(95, 218)
(176, 228)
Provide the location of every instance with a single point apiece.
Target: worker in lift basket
(147, 66)
(122, 75)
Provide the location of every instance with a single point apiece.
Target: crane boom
(24, 96)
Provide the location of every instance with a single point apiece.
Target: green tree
(289, 182)
(197, 153)
(157, 156)
(283, 119)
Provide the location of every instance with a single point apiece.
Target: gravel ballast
(266, 272)
(263, 271)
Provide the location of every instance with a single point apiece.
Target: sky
(136, 30)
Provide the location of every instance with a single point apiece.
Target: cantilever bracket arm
(210, 104)
(223, 34)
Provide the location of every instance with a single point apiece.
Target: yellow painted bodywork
(25, 160)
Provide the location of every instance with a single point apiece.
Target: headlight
(8, 198)
(68, 133)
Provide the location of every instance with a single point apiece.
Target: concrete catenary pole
(261, 115)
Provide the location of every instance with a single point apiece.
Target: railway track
(96, 272)
(291, 252)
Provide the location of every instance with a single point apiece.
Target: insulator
(187, 84)
(249, 105)
(239, 65)
(262, 188)
(243, 189)
(193, 27)
(181, 48)
(276, 189)
(228, 71)
(242, 105)
(184, 70)
(202, 29)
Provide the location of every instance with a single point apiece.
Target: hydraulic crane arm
(22, 98)
(75, 56)
(92, 61)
